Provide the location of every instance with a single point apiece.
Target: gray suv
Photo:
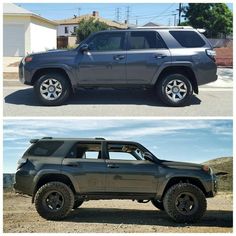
(60, 174)
(174, 61)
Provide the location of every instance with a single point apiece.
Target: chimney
(95, 14)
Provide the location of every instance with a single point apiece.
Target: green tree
(86, 27)
(216, 18)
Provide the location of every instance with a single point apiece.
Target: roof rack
(99, 138)
(47, 138)
(164, 27)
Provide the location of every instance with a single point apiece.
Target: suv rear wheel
(185, 203)
(54, 200)
(174, 89)
(52, 89)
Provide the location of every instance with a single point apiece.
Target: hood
(53, 53)
(181, 165)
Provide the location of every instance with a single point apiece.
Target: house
(26, 32)
(151, 24)
(68, 27)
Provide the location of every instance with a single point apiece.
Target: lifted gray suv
(174, 61)
(60, 174)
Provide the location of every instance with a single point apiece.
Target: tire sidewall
(66, 91)
(170, 199)
(44, 211)
(162, 87)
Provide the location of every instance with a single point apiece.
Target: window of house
(75, 29)
(66, 30)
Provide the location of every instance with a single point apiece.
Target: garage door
(13, 40)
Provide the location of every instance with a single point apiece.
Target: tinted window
(145, 40)
(188, 39)
(45, 148)
(86, 151)
(107, 42)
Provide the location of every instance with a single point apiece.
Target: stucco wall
(43, 36)
(23, 21)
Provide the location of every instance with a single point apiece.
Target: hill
(223, 166)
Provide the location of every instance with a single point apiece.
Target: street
(211, 101)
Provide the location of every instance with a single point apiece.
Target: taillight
(211, 53)
(21, 162)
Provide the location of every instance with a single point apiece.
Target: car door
(104, 62)
(85, 164)
(126, 174)
(146, 53)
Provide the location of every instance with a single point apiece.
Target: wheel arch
(183, 179)
(46, 70)
(57, 177)
(181, 69)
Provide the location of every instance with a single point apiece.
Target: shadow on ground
(212, 218)
(96, 97)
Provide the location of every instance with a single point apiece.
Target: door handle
(118, 57)
(159, 56)
(73, 164)
(112, 166)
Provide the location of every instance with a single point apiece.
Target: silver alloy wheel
(176, 90)
(51, 89)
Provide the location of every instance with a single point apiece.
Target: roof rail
(47, 138)
(164, 27)
(99, 138)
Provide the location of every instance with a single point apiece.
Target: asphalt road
(20, 101)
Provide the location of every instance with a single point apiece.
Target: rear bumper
(23, 182)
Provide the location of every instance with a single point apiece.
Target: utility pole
(180, 11)
(79, 9)
(118, 14)
(169, 21)
(136, 21)
(127, 14)
(174, 19)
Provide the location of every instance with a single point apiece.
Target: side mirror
(148, 156)
(84, 48)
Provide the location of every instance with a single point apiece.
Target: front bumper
(24, 74)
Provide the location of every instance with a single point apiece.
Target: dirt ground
(114, 216)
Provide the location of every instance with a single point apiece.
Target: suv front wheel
(174, 89)
(52, 89)
(54, 200)
(185, 203)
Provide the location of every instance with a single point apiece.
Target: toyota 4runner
(60, 174)
(173, 61)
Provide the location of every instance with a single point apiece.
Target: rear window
(44, 148)
(188, 39)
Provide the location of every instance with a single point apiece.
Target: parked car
(172, 60)
(60, 174)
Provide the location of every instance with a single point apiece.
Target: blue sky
(161, 13)
(180, 140)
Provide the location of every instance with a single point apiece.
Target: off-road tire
(47, 213)
(77, 203)
(170, 199)
(65, 94)
(158, 204)
(161, 89)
